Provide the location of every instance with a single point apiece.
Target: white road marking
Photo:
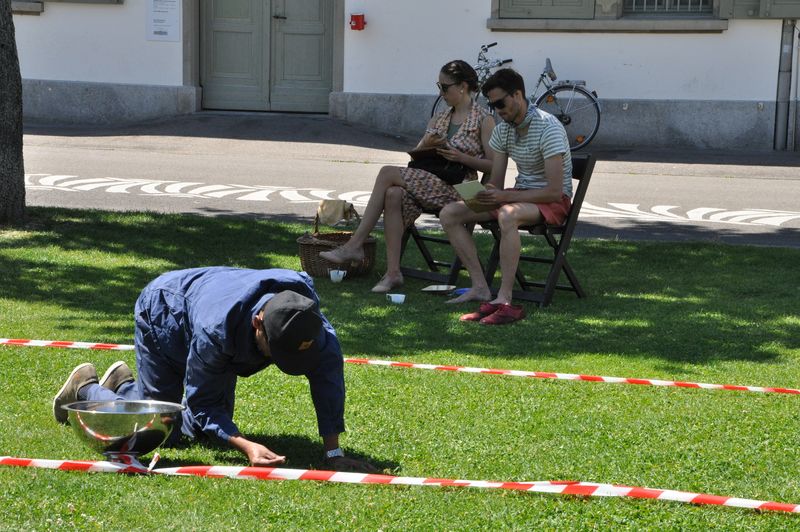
(702, 214)
(193, 189)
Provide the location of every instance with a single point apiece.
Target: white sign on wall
(164, 20)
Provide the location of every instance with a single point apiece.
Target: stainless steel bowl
(116, 428)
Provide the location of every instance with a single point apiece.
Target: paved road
(281, 165)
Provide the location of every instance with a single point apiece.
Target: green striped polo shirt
(545, 137)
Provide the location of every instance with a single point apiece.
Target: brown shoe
(80, 377)
(342, 255)
(116, 375)
(387, 284)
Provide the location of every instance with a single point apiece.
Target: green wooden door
(302, 57)
(262, 55)
(232, 72)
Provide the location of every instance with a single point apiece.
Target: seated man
(198, 330)
(538, 144)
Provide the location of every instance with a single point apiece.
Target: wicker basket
(311, 244)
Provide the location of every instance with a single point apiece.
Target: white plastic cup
(337, 275)
(397, 299)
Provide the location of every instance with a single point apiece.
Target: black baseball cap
(292, 323)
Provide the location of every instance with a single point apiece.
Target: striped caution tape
(70, 345)
(575, 377)
(583, 489)
(462, 369)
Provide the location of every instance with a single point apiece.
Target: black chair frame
(439, 271)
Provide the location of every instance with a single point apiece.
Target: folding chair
(558, 237)
(449, 270)
(439, 271)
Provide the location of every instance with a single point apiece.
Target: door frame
(191, 46)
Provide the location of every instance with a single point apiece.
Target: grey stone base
(623, 123)
(74, 102)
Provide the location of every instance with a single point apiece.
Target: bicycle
(575, 106)
(483, 67)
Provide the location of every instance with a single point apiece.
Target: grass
(679, 311)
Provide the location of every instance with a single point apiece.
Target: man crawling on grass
(198, 330)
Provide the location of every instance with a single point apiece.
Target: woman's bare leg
(352, 250)
(389, 176)
(393, 229)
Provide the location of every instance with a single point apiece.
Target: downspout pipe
(794, 107)
(784, 86)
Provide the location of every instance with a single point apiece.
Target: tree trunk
(12, 172)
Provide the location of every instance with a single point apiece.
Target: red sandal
(484, 310)
(504, 314)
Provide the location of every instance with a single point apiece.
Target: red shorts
(554, 213)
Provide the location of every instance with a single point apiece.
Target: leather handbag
(450, 172)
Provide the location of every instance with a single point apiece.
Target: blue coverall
(194, 337)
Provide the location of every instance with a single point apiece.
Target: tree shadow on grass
(99, 262)
(681, 303)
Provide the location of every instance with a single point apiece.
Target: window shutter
(569, 9)
(766, 9)
(780, 9)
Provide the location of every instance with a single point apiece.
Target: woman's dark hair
(461, 72)
(507, 79)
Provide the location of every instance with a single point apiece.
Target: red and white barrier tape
(462, 369)
(583, 489)
(71, 345)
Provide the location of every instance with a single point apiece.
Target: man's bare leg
(453, 217)
(509, 219)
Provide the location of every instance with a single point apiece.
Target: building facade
(669, 73)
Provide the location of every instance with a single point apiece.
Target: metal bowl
(116, 428)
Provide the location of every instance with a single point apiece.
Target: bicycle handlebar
(487, 46)
(504, 61)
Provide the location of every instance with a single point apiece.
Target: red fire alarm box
(357, 21)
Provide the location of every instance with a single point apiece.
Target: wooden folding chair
(439, 271)
(558, 237)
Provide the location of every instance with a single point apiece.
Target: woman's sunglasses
(444, 86)
(498, 104)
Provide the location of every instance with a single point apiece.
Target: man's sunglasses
(498, 104)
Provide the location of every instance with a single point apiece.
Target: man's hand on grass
(257, 454)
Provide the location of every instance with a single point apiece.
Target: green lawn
(696, 312)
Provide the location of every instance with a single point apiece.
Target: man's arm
(499, 167)
(210, 390)
(489, 197)
(553, 173)
(327, 393)
(257, 454)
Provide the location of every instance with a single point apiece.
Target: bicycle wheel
(438, 106)
(577, 109)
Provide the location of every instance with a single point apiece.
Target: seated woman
(461, 134)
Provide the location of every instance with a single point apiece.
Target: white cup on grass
(337, 275)
(397, 299)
